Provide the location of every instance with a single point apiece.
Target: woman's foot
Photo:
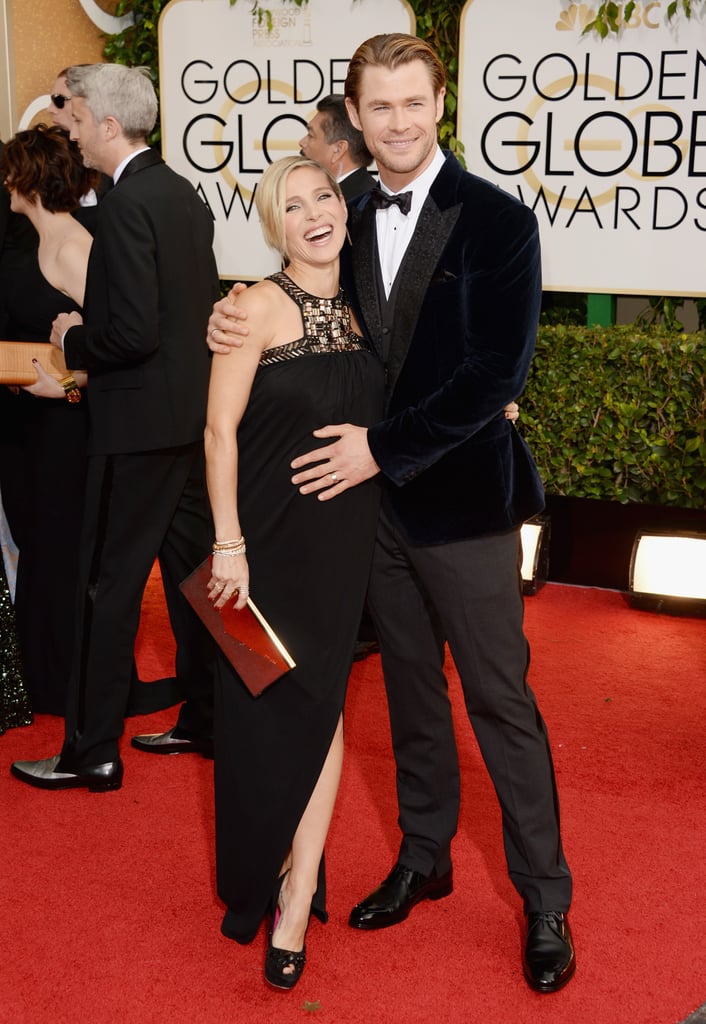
(283, 968)
(286, 952)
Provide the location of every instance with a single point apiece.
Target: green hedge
(619, 413)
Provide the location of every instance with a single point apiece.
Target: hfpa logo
(578, 16)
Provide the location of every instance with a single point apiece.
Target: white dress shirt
(394, 229)
(123, 163)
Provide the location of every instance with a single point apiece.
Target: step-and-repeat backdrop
(604, 139)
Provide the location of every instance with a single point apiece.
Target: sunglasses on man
(58, 100)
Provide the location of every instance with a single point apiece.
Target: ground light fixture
(535, 554)
(668, 572)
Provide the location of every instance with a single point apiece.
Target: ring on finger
(334, 477)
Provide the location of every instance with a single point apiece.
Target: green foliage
(619, 413)
(610, 17)
(136, 45)
(564, 308)
(701, 312)
(663, 310)
(438, 23)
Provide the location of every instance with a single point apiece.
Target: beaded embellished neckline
(326, 322)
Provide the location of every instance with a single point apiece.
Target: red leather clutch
(245, 637)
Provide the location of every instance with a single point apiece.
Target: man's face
(314, 144)
(398, 112)
(60, 115)
(88, 133)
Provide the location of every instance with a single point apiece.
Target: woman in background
(14, 702)
(44, 426)
(278, 757)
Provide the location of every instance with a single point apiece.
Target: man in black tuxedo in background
(151, 282)
(334, 143)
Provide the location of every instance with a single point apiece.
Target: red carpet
(108, 906)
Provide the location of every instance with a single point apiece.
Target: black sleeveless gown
(42, 480)
(309, 562)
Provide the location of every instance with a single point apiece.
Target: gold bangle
(228, 545)
(232, 552)
(71, 389)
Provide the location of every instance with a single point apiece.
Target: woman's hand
(230, 578)
(45, 385)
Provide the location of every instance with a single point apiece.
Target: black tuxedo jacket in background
(357, 182)
(464, 331)
(147, 361)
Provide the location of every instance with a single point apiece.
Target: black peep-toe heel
(276, 963)
(278, 960)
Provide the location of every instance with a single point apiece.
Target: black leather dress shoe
(392, 901)
(549, 960)
(48, 774)
(174, 741)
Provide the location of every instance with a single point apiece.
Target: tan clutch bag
(16, 361)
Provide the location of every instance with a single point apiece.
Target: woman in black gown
(42, 435)
(278, 757)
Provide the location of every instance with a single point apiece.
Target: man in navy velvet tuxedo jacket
(446, 280)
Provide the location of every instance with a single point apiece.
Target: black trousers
(469, 594)
(138, 507)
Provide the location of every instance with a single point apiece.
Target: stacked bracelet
(230, 548)
(71, 389)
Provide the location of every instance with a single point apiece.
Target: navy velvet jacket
(463, 336)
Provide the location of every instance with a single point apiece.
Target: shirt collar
(123, 163)
(421, 185)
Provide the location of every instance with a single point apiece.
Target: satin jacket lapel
(148, 158)
(364, 257)
(420, 260)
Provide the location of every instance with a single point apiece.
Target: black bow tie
(382, 200)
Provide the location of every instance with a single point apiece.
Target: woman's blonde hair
(271, 195)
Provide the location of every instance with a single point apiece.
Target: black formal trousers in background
(469, 593)
(139, 507)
